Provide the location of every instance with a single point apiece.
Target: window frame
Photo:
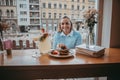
(100, 23)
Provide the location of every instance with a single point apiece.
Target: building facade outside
(43, 13)
(53, 10)
(8, 13)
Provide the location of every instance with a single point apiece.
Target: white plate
(61, 56)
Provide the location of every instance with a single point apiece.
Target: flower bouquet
(90, 21)
(90, 18)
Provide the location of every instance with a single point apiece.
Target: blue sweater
(71, 40)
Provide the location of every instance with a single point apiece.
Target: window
(0, 12)
(11, 2)
(89, 7)
(65, 6)
(22, 0)
(23, 12)
(44, 5)
(12, 14)
(7, 3)
(78, 15)
(83, 7)
(60, 6)
(49, 15)
(65, 14)
(55, 15)
(0, 3)
(60, 15)
(83, 1)
(50, 26)
(8, 13)
(49, 5)
(72, 0)
(23, 6)
(51, 11)
(44, 15)
(23, 19)
(55, 6)
(0, 15)
(72, 7)
(78, 7)
(72, 16)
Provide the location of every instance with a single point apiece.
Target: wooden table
(20, 65)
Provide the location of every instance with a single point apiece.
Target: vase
(90, 38)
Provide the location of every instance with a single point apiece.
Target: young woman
(66, 35)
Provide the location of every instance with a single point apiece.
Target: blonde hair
(59, 24)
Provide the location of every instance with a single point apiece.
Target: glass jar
(45, 46)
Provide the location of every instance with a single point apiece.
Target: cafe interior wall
(111, 24)
(115, 25)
